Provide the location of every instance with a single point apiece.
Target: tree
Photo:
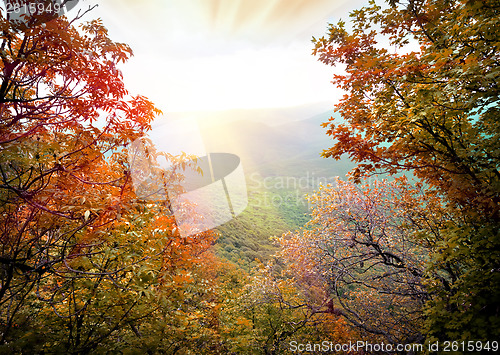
(432, 111)
(63, 182)
(363, 248)
(83, 262)
(282, 310)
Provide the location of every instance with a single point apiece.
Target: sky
(213, 55)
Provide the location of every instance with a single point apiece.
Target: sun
(210, 55)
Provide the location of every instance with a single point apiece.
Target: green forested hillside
(282, 163)
(270, 212)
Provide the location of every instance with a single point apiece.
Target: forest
(399, 256)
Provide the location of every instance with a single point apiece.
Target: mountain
(270, 116)
(289, 149)
(281, 164)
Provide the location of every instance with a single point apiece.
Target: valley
(282, 163)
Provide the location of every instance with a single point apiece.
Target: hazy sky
(192, 55)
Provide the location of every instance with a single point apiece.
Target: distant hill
(290, 149)
(281, 163)
(270, 116)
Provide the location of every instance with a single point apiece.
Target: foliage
(432, 110)
(281, 312)
(273, 208)
(84, 265)
(363, 251)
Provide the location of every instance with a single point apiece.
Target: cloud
(257, 21)
(260, 19)
(224, 54)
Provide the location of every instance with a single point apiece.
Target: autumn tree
(421, 81)
(364, 248)
(64, 115)
(281, 310)
(85, 264)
